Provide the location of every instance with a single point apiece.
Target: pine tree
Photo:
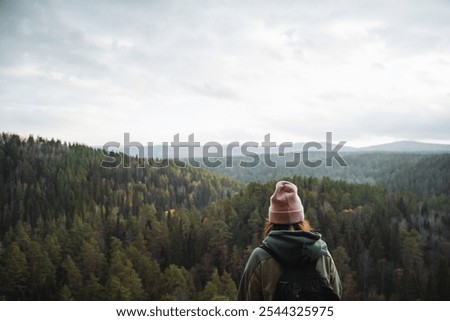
(42, 272)
(178, 284)
(123, 281)
(92, 259)
(93, 290)
(219, 288)
(73, 280)
(149, 272)
(16, 273)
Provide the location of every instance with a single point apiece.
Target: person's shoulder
(259, 253)
(257, 256)
(323, 247)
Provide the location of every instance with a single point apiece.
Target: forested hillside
(424, 174)
(70, 229)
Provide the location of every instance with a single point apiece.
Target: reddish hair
(300, 226)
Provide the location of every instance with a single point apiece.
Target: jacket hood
(294, 247)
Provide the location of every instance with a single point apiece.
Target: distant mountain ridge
(407, 146)
(404, 146)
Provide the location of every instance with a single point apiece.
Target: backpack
(301, 282)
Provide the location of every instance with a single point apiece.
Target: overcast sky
(88, 71)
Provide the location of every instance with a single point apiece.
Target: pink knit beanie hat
(285, 205)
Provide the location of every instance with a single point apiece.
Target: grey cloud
(378, 66)
(36, 35)
(334, 96)
(214, 91)
(135, 50)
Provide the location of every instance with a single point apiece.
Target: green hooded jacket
(262, 271)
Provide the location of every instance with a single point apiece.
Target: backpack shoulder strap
(274, 255)
(269, 250)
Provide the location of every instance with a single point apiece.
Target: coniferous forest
(73, 230)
